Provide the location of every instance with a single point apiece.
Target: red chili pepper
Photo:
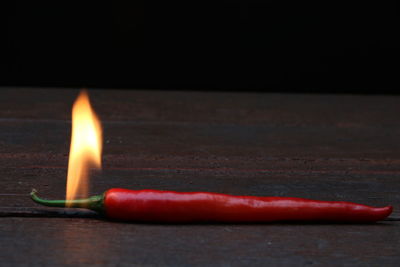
(184, 207)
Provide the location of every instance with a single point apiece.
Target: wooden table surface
(329, 147)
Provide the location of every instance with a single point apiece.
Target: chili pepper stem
(95, 203)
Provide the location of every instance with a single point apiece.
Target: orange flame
(86, 145)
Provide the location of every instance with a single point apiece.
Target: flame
(86, 145)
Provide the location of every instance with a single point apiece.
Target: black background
(225, 45)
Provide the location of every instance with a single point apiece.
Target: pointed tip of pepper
(383, 212)
(389, 210)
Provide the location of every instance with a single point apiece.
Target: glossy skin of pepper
(183, 207)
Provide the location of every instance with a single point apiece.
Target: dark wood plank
(94, 242)
(329, 147)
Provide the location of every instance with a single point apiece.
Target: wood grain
(330, 147)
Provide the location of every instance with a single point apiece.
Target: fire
(86, 145)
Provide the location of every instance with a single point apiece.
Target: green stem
(95, 203)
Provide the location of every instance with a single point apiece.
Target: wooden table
(329, 147)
